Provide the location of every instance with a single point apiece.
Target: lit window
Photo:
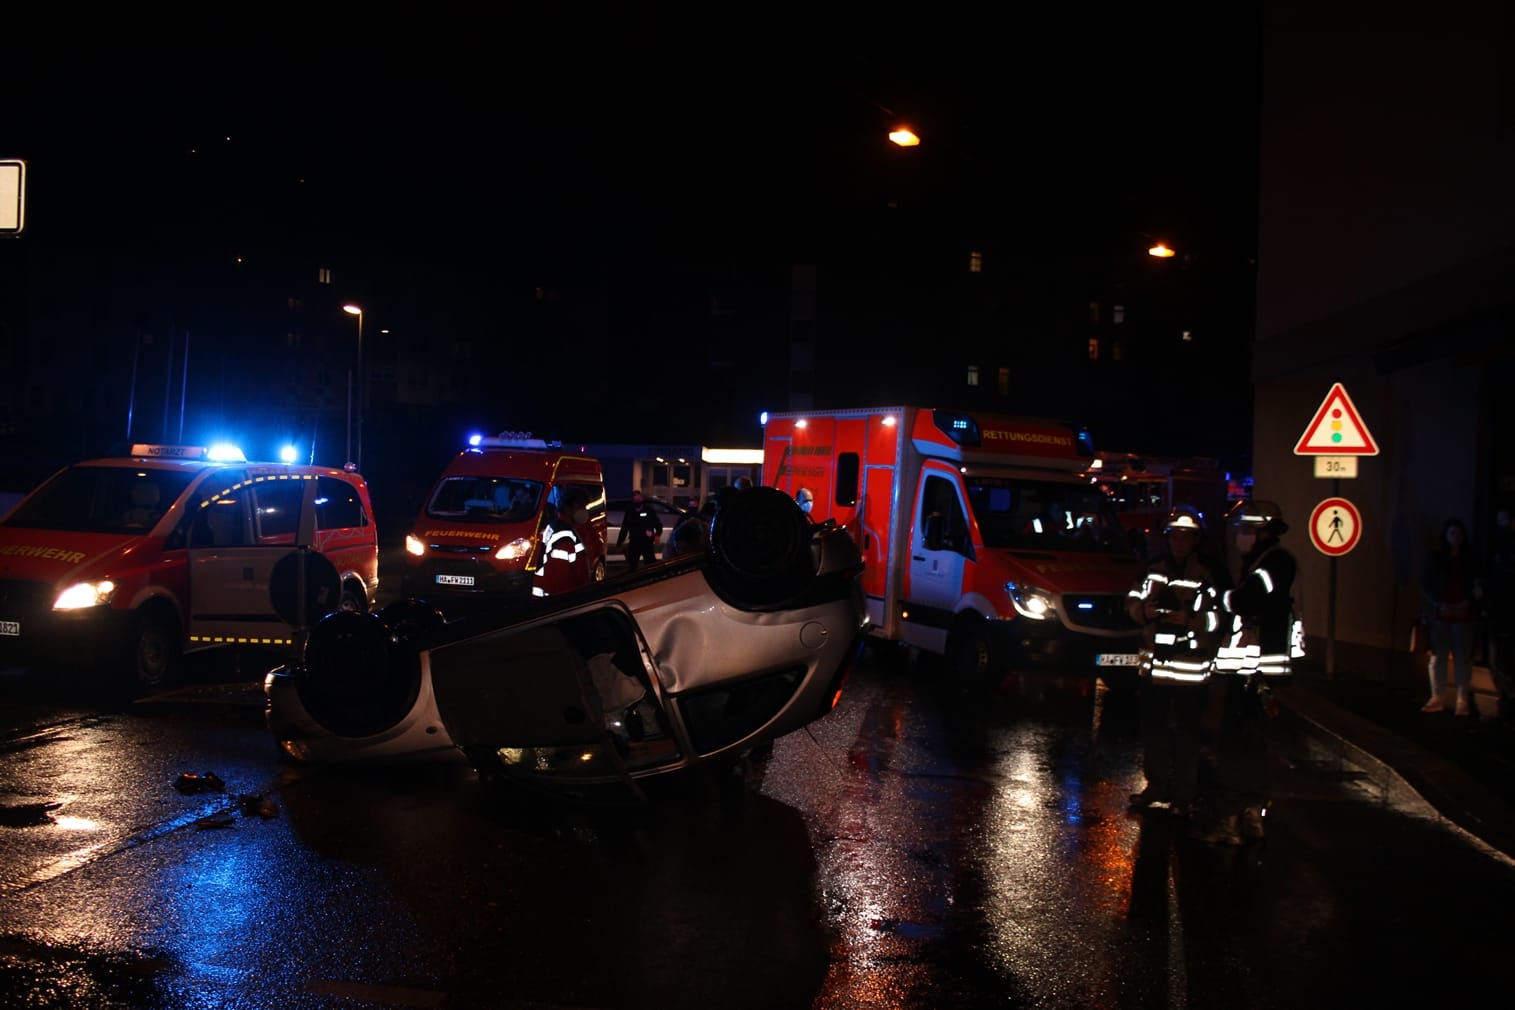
(975, 262)
(973, 375)
(323, 275)
(1093, 348)
(1118, 314)
(1188, 337)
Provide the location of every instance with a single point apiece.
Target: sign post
(1336, 436)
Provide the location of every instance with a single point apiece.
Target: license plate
(10, 627)
(454, 580)
(1115, 659)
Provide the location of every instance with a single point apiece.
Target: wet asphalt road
(915, 848)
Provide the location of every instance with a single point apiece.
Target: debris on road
(209, 782)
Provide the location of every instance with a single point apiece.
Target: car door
(240, 527)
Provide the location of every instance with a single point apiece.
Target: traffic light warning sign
(1337, 429)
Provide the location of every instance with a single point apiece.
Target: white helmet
(1185, 517)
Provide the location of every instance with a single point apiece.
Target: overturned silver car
(684, 662)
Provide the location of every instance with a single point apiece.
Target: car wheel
(352, 599)
(156, 651)
(970, 651)
(598, 575)
(761, 543)
(355, 680)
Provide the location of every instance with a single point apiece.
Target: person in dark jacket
(692, 534)
(640, 529)
(1452, 585)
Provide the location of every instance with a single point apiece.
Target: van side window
(218, 512)
(277, 512)
(848, 471)
(337, 505)
(594, 496)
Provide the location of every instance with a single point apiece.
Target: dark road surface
(914, 848)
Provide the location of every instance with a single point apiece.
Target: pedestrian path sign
(1335, 527)
(1337, 429)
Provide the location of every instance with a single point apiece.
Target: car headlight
(1029, 601)
(520, 547)
(414, 546)
(85, 594)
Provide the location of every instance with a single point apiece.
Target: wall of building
(1386, 244)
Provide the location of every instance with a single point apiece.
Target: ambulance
(984, 540)
(124, 564)
(481, 536)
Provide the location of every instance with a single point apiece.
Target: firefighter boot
(1434, 705)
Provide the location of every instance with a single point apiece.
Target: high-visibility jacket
(564, 563)
(1180, 647)
(1264, 633)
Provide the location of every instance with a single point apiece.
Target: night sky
(449, 161)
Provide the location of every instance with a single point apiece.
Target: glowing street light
(354, 310)
(1161, 251)
(904, 137)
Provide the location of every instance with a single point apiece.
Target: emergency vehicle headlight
(414, 546)
(520, 547)
(1031, 602)
(85, 594)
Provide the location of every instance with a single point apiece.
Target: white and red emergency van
(983, 538)
(126, 563)
(495, 527)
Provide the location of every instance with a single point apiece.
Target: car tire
(353, 599)
(761, 542)
(355, 680)
(156, 653)
(971, 657)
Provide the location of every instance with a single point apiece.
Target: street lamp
(354, 310)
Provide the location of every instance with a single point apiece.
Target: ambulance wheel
(970, 651)
(156, 650)
(598, 575)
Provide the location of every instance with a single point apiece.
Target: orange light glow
(904, 137)
(1161, 251)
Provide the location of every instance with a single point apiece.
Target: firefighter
(565, 564)
(1176, 603)
(1263, 638)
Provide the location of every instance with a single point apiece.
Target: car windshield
(485, 499)
(1043, 515)
(101, 499)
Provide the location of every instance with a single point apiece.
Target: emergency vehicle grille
(463, 549)
(1108, 613)
(19, 597)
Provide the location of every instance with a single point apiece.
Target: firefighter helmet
(1185, 517)
(1259, 515)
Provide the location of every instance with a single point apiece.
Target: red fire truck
(984, 539)
(1145, 489)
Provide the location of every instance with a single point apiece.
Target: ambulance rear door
(240, 526)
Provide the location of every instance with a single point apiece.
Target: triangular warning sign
(1337, 429)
